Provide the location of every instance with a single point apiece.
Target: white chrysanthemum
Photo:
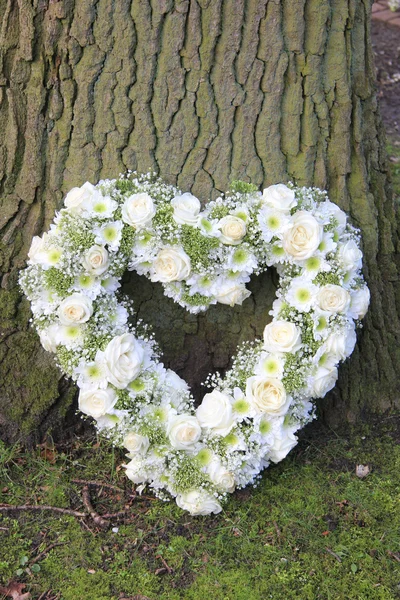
(270, 365)
(314, 265)
(70, 336)
(273, 223)
(327, 244)
(242, 260)
(88, 284)
(203, 284)
(241, 407)
(328, 211)
(110, 284)
(92, 374)
(301, 294)
(109, 234)
(102, 207)
(208, 227)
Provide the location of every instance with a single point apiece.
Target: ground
(313, 528)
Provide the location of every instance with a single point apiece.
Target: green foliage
(127, 240)
(197, 246)
(326, 278)
(241, 187)
(57, 280)
(311, 530)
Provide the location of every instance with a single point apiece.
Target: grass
(312, 529)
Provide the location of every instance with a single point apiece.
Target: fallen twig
(98, 520)
(98, 484)
(39, 508)
(166, 566)
(117, 515)
(332, 553)
(45, 551)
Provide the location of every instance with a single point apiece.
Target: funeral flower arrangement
(201, 257)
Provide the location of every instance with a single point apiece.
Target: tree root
(101, 521)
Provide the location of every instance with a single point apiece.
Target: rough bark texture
(201, 92)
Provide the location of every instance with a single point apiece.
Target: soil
(386, 47)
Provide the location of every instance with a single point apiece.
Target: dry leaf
(13, 590)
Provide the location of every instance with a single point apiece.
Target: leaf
(14, 591)
(354, 568)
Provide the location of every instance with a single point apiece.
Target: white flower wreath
(201, 257)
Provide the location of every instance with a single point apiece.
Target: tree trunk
(202, 92)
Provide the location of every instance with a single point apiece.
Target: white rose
(186, 209)
(303, 237)
(232, 229)
(138, 210)
(267, 395)
(324, 380)
(339, 345)
(284, 441)
(78, 199)
(135, 472)
(96, 260)
(171, 264)
(349, 256)
(97, 402)
(75, 309)
(176, 386)
(282, 336)
(231, 293)
(124, 358)
(359, 303)
(333, 298)
(183, 431)
(36, 249)
(280, 197)
(50, 337)
(221, 477)
(136, 443)
(198, 503)
(215, 412)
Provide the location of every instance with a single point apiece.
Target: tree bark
(202, 92)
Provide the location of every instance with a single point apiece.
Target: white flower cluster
(201, 257)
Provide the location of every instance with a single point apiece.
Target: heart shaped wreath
(203, 257)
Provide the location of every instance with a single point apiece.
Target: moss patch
(312, 529)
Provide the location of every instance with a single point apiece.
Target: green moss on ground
(312, 529)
